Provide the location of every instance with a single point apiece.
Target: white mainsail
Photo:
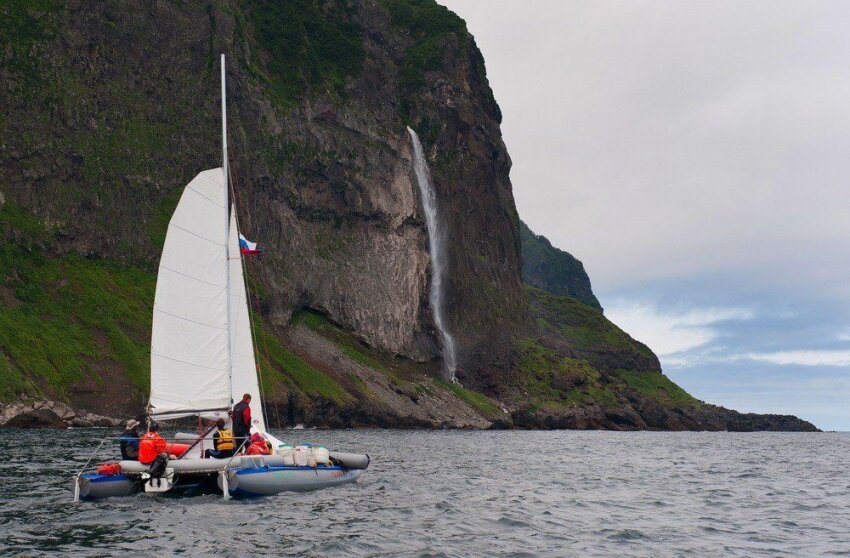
(244, 368)
(189, 339)
(202, 354)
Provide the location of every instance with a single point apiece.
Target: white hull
(267, 481)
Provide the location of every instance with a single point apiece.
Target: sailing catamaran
(202, 360)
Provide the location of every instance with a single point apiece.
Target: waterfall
(437, 250)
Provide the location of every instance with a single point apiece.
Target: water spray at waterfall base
(437, 251)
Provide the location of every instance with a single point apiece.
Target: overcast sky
(696, 157)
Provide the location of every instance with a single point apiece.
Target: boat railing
(80, 472)
(225, 489)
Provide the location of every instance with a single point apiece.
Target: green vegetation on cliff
(588, 333)
(310, 45)
(280, 364)
(431, 28)
(554, 270)
(581, 357)
(476, 400)
(66, 320)
(22, 26)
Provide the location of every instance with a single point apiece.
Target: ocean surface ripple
(464, 494)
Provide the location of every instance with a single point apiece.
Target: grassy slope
(570, 364)
(60, 317)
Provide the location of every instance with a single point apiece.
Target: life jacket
(109, 469)
(224, 441)
(259, 448)
(150, 445)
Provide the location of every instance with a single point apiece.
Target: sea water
(462, 493)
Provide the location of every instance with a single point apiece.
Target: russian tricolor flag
(246, 247)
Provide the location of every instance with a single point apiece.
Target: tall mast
(226, 223)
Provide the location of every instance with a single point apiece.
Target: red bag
(109, 469)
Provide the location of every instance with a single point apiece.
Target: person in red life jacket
(258, 446)
(242, 421)
(151, 445)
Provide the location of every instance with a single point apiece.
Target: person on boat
(223, 442)
(129, 441)
(258, 446)
(151, 445)
(242, 420)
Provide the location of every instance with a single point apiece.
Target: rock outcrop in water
(111, 108)
(50, 414)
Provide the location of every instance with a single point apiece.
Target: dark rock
(502, 424)
(554, 270)
(36, 418)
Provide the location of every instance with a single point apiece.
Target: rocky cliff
(111, 108)
(553, 270)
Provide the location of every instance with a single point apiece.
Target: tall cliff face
(116, 108)
(109, 109)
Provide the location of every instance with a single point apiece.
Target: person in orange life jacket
(258, 446)
(242, 421)
(223, 442)
(151, 445)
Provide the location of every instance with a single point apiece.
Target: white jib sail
(244, 370)
(189, 361)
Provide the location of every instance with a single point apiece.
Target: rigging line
(185, 230)
(236, 205)
(212, 201)
(172, 359)
(186, 275)
(256, 330)
(155, 309)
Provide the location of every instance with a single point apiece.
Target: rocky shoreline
(46, 413)
(54, 414)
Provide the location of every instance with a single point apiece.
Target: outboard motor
(159, 475)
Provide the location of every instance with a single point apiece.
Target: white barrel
(351, 460)
(285, 451)
(322, 455)
(301, 455)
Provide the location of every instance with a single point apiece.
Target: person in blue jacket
(130, 441)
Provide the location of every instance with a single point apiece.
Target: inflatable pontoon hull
(93, 486)
(247, 476)
(266, 481)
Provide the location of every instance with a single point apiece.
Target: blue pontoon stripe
(253, 470)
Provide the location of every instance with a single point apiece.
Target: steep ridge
(111, 108)
(553, 270)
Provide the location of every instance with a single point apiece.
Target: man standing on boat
(242, 420)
